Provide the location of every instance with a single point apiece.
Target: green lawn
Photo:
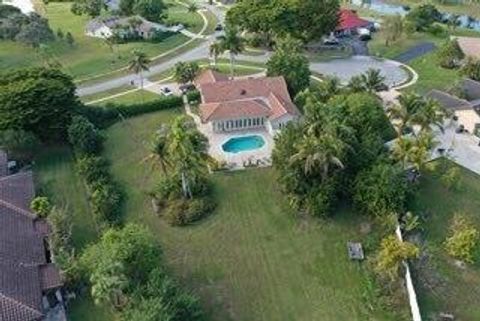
(135, 97)
(459, 290)
(377, 45)
(90, 56)
(178, 13)
(431, 75)
(459, 7)
(251, 260)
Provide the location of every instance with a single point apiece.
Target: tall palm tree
(233, 43)
(402, 150)
(158, 149)
(139, 64)
(401, 114)
(215, 50)
(192, 8)
(188, 153)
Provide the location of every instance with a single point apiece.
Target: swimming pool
(243, 143)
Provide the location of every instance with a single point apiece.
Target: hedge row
(105, 116)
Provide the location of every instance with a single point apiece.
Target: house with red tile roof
(349, 22)
(29, 281)
(241, 104)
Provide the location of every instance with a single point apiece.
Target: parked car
(186, 87)
(364, 34)
(166, 91)
(219, 27)
(331, 41)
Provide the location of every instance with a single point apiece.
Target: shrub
(392, 253)
(92, 169)
(471, 69)
(463, 239)
(84, 136)
(437, 30)
(19, 144)
(193, 96)
(41, 206)
(181, 212)
(105, 200)
(450, 54)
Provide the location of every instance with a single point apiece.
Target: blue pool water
(241, 144)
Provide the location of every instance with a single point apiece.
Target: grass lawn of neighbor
(134, 97)
(444, 287)
(89, 56)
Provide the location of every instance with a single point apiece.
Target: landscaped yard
(443, 286)
(90, 56)
(134, 97)
(250, 260)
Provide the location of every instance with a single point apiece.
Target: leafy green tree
(84, 136)
(69, 38)
(289, 62)
(126, 7)
(38, 100)
(380, 190)
(391, 255)
(19, 144)
(35, 32)
(463, 238)
(152, 10)
(105, 201)
(41, 206)
(356, 84)
(423, 16)
(92, 8)
(108, 284)
(186, 72)
(450, 54)
(232, 42)
(471, 68)
(151, 309)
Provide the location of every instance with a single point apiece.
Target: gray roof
(449, 101)
(471, 88)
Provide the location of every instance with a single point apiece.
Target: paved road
(415, 52)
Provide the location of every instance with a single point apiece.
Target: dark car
(185, 88)
(219, 27)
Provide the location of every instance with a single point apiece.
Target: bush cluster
(103, 117)
(105, 195)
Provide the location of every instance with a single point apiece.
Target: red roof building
(244, 103)
(349, 21)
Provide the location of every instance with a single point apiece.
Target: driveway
(346, 68)
(415, 52)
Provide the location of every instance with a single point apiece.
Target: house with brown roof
(242, 104)
(29, 282)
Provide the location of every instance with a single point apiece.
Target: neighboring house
(125, 27)
(29, 282)
(349, 23)
(466, 108)
(470, 46)
(229, 105)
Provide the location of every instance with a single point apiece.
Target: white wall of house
(102, 32)
(468, 118)
(238, 124)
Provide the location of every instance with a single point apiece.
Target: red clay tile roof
(230, 99)
(209, 76)
(349, 19)
(24, 272)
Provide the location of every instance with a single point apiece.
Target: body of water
(390, 9)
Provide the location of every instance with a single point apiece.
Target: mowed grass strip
(458, 289)
(251, 259)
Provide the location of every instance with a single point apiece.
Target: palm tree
(402, 150)
(158, 149)
(356, 84)
(139, 64)
(233, 43)
(187, 150)
(373, 80)
(319, 154)
(215, 50)
(429, 114)
(192, 8)
(401, 115)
